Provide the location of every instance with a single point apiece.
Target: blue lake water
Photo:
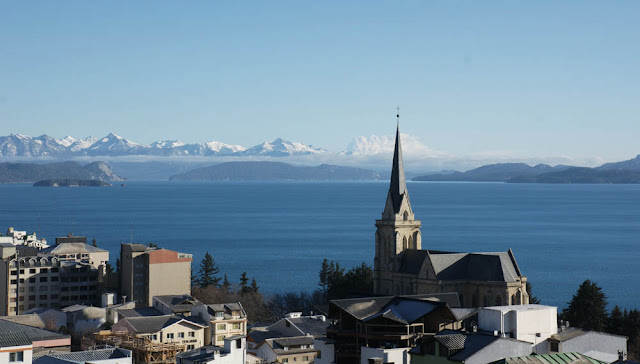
(279, 232)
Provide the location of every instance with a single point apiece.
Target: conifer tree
(587, 308)
(226, 285)
(208, 270)
(254, 285)
(94, 242)
(244, 288)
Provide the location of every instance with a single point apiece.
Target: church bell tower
(397, 230)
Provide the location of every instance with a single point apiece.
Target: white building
(165, 329)
(395, 355)
(530, 323)
(233, 352)
(20, 237)
(15, 347)
(598, 345)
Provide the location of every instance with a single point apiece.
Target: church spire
(398, 186)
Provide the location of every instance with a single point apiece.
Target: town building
(225, 320)
(181, 304)
(453, 347)
(18, 237)
(147, 272)
(84, 319)
(233, 352)
(15, 347)
(401, 267)
(43, 318)
(297, 349)
(185, 333)
(594, 344)
(565, 358)
(67, 249)
(30, 278)
(530, 323)
(41, 340)
(374, 327)
(95, 356)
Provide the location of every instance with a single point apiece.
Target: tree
(153, 245)
(587, 308)
(254, 285)
(94, 242)
(226, 285)
(244, 281)
(208, 270)
(532, 299)
(324, 277)
(615, 324)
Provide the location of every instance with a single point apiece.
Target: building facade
(147, 272)
(401, 267)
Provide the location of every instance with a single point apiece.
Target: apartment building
(31, 278)
(147, 272)
(225, 319)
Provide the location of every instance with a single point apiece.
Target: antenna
(398, 115)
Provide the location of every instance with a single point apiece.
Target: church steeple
(398, 186)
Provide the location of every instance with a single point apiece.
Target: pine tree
(616, 321)
(226, 285)
(208, 270)
(254, 285)
(587, 308)
(244, 288)
(324, 277)
(532, 299)
(94, 242)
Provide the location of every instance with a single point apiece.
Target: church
(401, 267)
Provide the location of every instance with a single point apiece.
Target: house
(384, 324)
(15, 347)
(225, 320)
(83, 318)
(181, 304)
(531, 323)
(98, 356)
(41, 340)
(297, 349)
(450, 346)
(557, 358)
(233, 352)
(186, 333)
(598, 345)
(147, 272)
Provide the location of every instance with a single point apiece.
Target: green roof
(557, 358)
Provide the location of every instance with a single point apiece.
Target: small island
(71, 183)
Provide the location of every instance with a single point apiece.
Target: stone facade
(401, 267)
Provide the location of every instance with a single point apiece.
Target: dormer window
(219, 314)
(286, 348)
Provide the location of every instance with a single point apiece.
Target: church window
(404, 243)
(405, 216)
(513, 300)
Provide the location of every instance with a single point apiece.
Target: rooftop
(558, 358)
(8, 339)
(178, 303)
(84, 356)
(33, 333)
(402, 309)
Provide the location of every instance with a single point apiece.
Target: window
(192, 334)
(43, 288)
(303, 346)
(32, 280)
(236, 326)
(16, 357)
(191, 347)
(553, 346)
(238, 344)
(13, 281)
(32, 298)
(43, 296)
(32, 289)
(181, 335)
(14, 291)
(285, 360)
(14, 272)
(219, 337)
(219, 314)
(305, 358)
(33, 270)
(221, 327)
(286, 348)
(44, 279)
(169, 336)
(54, 296)
(54, 279)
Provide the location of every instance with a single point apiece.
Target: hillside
(499, 172)
(582, 175)
(274, 171)
(30, 172)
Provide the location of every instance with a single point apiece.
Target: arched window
(513, 299)
(405, 216)
(498, 301)
(404, 243)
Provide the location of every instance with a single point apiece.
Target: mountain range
(275, 171)
(112, 145)
(619, 172)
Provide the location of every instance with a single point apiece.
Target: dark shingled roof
(85, 356)
(412, 261)
(200, 354)
(293, 341)
(179, 303)
(13, 339)
(33, 333)
(489, 267)
(140, 312)
(310, 325)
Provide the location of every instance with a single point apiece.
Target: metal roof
(557, 358)
(33, 333)
(8, 339)
(85, 356)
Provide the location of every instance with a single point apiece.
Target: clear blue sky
(530, 78)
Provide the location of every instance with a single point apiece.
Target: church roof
(402, 309)
(398, 186)
(450, 266)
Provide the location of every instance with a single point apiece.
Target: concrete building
(85, 319)
(470, 348)
(287, 350)
(17, 237)
(30, 278)
(530, 323)
(147, 272)
(186, 333)
(15, 347)
(80, 253)
(598, 345)
(41, 340)
(225, 320)
(233, 352)
(401, 267)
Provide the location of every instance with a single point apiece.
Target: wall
(6, 352)
(595, 341)
(499, 349)
(396, 356)
(522, 323)
(169, 279)
(326, 351)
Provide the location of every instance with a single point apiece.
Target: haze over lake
(280, 232)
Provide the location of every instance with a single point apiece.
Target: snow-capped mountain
(18, 145)
(280, 148)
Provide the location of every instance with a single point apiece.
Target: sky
(505, 80)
